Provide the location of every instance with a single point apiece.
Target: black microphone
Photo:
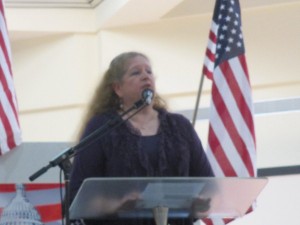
(147, 96)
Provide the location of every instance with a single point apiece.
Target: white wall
(53, 77)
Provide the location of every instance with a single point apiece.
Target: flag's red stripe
(219, 154)
(207, 73)
(4, 81)
(239, 140)
(210, 55)
(39, 187)
(5, 120)
(49, 212)
(8, 94)
(212, 36)
(238, 95)
(4, 47)
(242, 59)
(8, 129)
(30, 187)
(7, 188)
(207, 221)
(1, 8)
(231, 129)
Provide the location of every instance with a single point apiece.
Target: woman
(151, 143)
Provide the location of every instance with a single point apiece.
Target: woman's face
(137, 78)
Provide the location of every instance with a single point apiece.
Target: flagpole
(198, 100)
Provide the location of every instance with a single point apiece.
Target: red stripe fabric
(42, 186)
(49, 213)
(10, 134)
(218, 152)
(210, 55)
(6, 188)
(212, 36)
(228, 120)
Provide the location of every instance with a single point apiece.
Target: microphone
(147, 96)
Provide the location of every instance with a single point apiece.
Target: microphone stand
(63, 159)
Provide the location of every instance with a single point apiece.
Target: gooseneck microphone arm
(69, 152)
(63, 159)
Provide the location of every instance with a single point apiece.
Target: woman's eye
(135, 73)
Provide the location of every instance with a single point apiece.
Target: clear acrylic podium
(163, 198)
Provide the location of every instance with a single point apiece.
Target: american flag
(231, 138)
(10, 134)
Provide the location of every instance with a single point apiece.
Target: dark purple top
(121, 154)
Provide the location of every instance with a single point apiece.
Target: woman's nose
(145, 75)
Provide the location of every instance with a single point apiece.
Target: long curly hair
(105, 98)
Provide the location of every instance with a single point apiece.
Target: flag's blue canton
(230, 38)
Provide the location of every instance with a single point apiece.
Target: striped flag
(41, 199)
(10, 134)
(231, 138)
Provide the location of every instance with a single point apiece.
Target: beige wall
(56, 73)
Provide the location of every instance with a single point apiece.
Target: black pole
(198, 100)
(65, 166)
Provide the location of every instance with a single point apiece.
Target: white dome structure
(20, 211)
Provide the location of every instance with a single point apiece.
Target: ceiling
(25, 20)
(184, 6)
(52, 3)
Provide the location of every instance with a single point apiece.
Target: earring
(121, 104)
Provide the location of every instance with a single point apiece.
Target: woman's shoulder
(99, 120)
(173, 117)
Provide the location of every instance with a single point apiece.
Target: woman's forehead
(137, 61)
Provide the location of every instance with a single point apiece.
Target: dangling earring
(121, 104)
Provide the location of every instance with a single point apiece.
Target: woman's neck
(146, 121)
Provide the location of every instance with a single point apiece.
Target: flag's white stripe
(3, 139)
(8, 76)
(218, 221)
(5, 34)
(235, 112)
(214, 28)
(5, 198)
(209, 64)
(242, 80)
(3, 98)
(214, 163)
(57, 222)
(7, 107)
(211, 46)
(44, 197)
(36, 198)
(226, 142)
(4, 64)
